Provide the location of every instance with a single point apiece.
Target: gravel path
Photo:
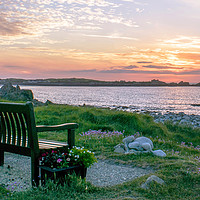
(15, 174)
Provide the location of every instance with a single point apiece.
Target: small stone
(48, 102)
(128, 139)
(133, 145)
(159, 153)
(142, 140)
(147, 147)
(119, 149)
(150, 180)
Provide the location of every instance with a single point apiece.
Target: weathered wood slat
(3, 128)
(45, 143)
(44, 128)
(18, 129)
(52, 142)
(8, 129)
(13, 136)
(49, 146)
(23, 129)
(28, 139)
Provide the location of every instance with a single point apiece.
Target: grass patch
(100, 130)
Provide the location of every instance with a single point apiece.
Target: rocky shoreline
(177, 118)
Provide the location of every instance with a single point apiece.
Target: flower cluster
(67, 158)
(190, 146)
(101, 134)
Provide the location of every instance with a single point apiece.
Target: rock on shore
(12, 93)
(179, 118)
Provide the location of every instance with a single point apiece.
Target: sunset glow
(128, 40)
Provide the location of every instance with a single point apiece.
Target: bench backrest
(17, 126)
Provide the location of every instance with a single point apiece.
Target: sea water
(158, 99)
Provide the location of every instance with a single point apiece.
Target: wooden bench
(18, 134)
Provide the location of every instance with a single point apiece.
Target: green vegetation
(180, 169)
(90, 82)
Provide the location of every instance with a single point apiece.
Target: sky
(131, 40)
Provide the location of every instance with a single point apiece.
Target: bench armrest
(43, 128)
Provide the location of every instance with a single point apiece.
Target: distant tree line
(90, 82)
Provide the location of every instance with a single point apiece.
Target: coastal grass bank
(100, 130)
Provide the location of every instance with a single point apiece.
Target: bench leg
(71, 137)
(1, 157)
(34, 171)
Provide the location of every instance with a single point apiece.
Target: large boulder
(12, 93)
(132, 145)
(142, 140)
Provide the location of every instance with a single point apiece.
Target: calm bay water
(173, 99)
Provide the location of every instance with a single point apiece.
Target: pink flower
(59, 160)
(44, 154)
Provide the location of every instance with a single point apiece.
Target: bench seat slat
(48, 144)
(52, 142)
(44, 144)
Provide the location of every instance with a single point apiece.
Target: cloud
(130, 67)
(101, 3)
(78, 71)
(183, 42)
(114, 36)
(190, 72)
(9, 28)
(155, 67)
(192, 3)
(13, 67)
(190, 56)
(143, 62)
(164, 72)
(161, 67)
(101, 16)
(138, 10)
(40, 18)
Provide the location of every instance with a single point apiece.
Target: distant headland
(90, 82)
